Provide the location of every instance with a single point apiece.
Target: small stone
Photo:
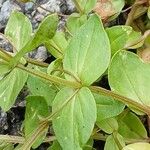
(39, 17)
(29, 6)
(6, 10)
(51, 6)
(3, 122)
(6, 45)
(70, 6)
(40, 54)
(1, 3)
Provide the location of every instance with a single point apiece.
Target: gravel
(36, 14)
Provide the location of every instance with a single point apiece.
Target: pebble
(40, 54)
(5, 12)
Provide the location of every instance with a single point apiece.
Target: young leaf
(43, 34)
(129, 76)
(114, 143)
(36, 110)
(57, 45)
(107, 107)
(137, 146)
(10, 87)
(6, 146)
(4, 68)
(38, 87)
(108, 125)
(86, 5)
(18, 29)
(88, 53)
(76, 117)
(131, 127)
(120, 36)
(55, 146)
(53, 68)
(75, 21)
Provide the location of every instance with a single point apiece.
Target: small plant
(63, 95)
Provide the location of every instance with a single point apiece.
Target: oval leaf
(86, 5)
(57, 45)
(18, 29)
(129, 76)
(114, 143)
(10, 86)
(107, 107)
(134, 130)
(108, 125)
(38, 87)
(75, 21)
(121, 37)
(44, 33)
(137, 146)
(76, 117)
(36, 110)
(88, 53)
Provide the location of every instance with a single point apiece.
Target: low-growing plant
(66, 107)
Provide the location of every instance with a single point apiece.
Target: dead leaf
(144, 54)
(104, 8)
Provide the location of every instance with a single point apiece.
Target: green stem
(6, 38)
(62, 106)
(119, 144)
(50, 78)
(68, 73)
(21, 140)
(37, 63)
(4, 55)
(121, 98)
(95, 89)
(29, 142)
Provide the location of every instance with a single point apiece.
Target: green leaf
(137, 146)
(43, 34)
(4, 68)
(131, 127)
(121, 36)
(129, 76)
(55, 146)
(87, 57)
(148, 12)
(18, 29)
(36, 110)
(114, 143)
(75, 21)
(57, 45)
(107, 107)
(55, 68)
(85, 5)
(10, 87)
(6, 146)
(76, 117)
(108, 125)
(39, 87)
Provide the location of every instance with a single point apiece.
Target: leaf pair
(19, 31)
(87, 57)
